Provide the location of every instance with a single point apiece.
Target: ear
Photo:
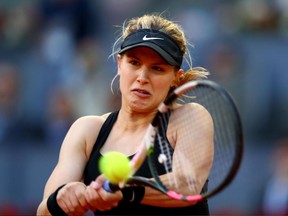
(119, 58)
(179, 73)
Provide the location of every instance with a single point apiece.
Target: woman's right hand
(100, 199)
(71, 198)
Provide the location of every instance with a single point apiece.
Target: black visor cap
(156, 40)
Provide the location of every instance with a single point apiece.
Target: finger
(78, 200)
(99, 181)
(67, 197)
(75, 208)
(96, 185)
(63, 206)
(82, 202)
(60, 199)
(95, 200)
(92, 196)
(99, 198)
(108, 196)
(110, 199)
(121, 184)
(70, 206)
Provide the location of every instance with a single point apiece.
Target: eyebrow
(134, 55)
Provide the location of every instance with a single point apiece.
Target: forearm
(155, 198)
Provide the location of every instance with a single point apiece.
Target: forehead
(145, 53)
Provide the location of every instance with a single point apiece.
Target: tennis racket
(202, 116)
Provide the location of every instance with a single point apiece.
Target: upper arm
(74, 153)
(193, 141)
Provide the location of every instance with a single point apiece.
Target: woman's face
(145, 79)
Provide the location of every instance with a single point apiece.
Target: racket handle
(109, 187)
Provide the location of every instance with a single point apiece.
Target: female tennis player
(149, 56)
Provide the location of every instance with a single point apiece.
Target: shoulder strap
(105, 130)
(91, 170)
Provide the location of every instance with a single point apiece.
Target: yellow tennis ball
(115, 166)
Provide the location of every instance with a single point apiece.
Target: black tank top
(91, 172)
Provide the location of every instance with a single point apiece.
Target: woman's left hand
(100, 199)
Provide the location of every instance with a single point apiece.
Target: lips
(141, 92)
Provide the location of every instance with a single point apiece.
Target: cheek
(162, 87)
(164, 83)
(125, 80)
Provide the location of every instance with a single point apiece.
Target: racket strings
(165, 157)
(183, 177)
(190, 166)
(166, 151)
(225, 136)
(198, 156)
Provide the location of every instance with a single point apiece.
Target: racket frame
(147, 147)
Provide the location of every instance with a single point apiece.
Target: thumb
(98, 183)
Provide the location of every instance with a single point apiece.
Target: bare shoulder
(90, 125)
(90, 121)
(195, 112)
(85, 130)
(190, 108)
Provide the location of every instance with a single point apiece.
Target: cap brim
(156, 48)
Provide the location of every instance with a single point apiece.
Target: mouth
(141, 92)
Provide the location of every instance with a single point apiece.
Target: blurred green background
(55, 67)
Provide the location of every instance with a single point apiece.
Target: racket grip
(109, 187)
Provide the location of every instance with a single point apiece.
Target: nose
(143, 76)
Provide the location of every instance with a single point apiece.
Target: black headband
(160, 42)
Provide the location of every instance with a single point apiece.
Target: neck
(134, 120)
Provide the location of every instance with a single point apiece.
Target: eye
(134, 62)
(157, 68)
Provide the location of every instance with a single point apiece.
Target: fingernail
(94, 185)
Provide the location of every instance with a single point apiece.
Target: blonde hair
(174, 30)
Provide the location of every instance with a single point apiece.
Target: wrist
(133, 194)
(53, 206)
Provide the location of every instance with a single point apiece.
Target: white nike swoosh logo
(133, 196)
(145, 38)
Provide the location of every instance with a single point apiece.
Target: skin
(145, 79)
